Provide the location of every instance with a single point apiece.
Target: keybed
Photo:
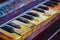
(25, 24)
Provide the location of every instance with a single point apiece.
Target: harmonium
(19, 19)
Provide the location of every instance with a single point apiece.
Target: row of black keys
(49, 3)
(52, 3)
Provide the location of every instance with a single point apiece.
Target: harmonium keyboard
(21, 18)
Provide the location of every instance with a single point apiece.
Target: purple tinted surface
(19, 11)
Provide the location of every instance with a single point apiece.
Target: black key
(51, 2)
(48, 4)
(33, 14)
(28, 17)
(55, 2)
(23, 20)
(39, 10)
(8, 29)
(14, 25)
(44, 8)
